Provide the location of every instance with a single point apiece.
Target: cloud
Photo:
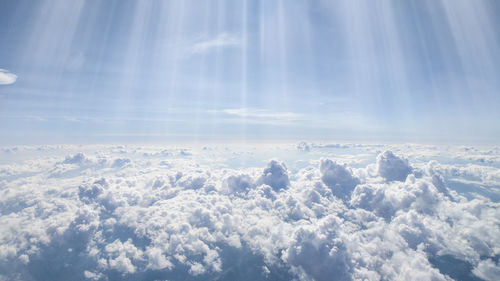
(391, 167)
(7, 77)
(78, 158)
(488, 270)
(239, 183)
(275, 175)
(304, 146)
(338, 177)
(259, 113)
(318, 252)
(388, 198)
(222, 40)
(152, 213)
(259, 116)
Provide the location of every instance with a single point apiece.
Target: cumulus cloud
(338, 177)
(7, 77)
(78, 158)
(239, 183)
(488, 270)
(388, 198)
(304, 146)
(317, 252)
(275, 175)
(152, 213)
(391, 167)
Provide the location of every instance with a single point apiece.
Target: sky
(88, 71)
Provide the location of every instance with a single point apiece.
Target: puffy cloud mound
(388, 198)
(317, 251)
(304, 146)
(391, 167)
(275, 175)
(487, 270)
(78, 158)
(139, 213)
(239, 183)
(338, 178)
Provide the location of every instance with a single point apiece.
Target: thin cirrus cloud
(250, 113)
(6, 77)
(222, 40)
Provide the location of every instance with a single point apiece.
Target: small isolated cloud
(221, 41)
(6, 77)
(259, 113)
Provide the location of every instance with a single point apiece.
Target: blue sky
(141, 71)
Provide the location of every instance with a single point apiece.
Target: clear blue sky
(110, 71)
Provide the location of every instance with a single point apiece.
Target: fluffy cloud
(151, 213)
(239, 183)
(275, 175)
(338, 177)
(487, 269)
(391, 167)
(317, 251)
(6, 77)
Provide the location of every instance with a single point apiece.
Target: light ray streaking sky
(98, 71)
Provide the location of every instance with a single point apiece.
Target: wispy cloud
(34, 118)
(7, 77)
(259, 114)
(222, 40)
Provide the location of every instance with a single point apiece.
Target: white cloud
(391, 167)
(275, 175)
(7, 77)
(338, 177)
(250, 113)
(239, 183)
(145, 212)
(222, 40)
(488, 270)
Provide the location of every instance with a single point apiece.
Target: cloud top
(338, 178)
(275, 175)
(152, 213)
(392, 167)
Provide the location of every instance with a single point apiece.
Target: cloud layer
(150, 213)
